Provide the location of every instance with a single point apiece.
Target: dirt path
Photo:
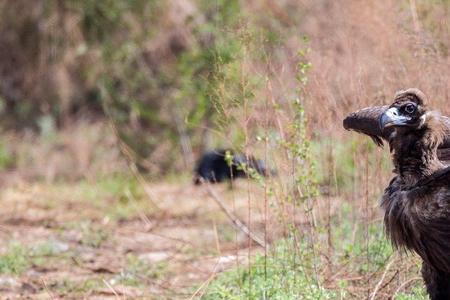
(96, 240)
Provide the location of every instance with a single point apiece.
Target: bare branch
(234, 219)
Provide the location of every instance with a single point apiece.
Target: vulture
(214, 167)
(366, 121)
(416, 203)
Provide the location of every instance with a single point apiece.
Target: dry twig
(234, 219)
(386, 270)
(405, 284)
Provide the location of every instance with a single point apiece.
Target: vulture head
(407, 113)
(416, 133)
(410, 121)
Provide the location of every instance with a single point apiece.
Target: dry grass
(363, 53)
(97, 235)
(89, 240)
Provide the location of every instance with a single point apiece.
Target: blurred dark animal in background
(217, 166)
(417, 201)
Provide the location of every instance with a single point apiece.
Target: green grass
(336, 165)
(137, 271)
(366, 249)
(289, 270)
(93, 236)
(280, 276)
(18, 258)
(118, 197)
(6, 157)
(113, 186)
(67, 285)
(417, 293)
(15, 260)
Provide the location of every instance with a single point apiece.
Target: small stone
(155, 256)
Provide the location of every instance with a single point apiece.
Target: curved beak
(392, 117)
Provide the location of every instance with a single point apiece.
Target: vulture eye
(410, 108)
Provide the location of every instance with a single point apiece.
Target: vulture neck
(415, 152)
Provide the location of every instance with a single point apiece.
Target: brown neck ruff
(415, 150)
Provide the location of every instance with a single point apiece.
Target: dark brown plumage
(366, 121)
(417, 201)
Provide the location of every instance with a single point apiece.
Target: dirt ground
(100, 240)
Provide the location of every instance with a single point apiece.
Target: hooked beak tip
(391, 118)
(385, 122)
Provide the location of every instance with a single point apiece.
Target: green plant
(417, 293)
(19, 258)
(6, 157)
(15, 260)
(138, 271)
(90, 285)
(271, 277)
(92, 236)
